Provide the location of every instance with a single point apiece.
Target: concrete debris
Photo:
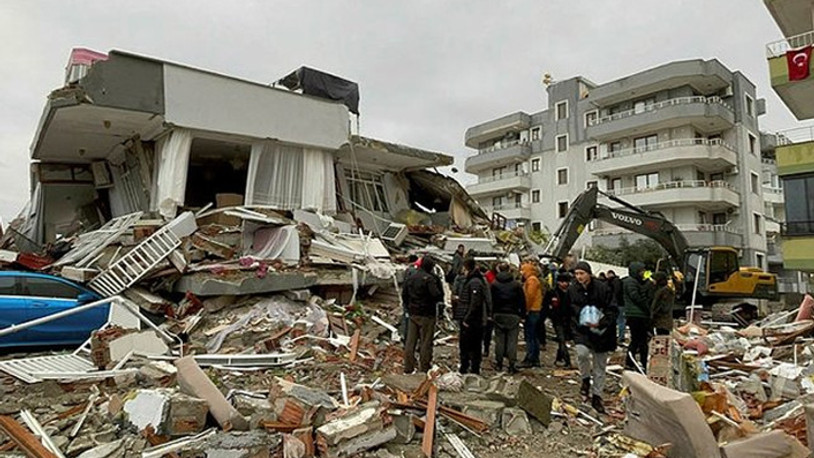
(195, 382)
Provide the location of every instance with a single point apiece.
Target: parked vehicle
(25, 296)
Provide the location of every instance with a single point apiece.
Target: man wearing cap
(558, 303)
(594, 339)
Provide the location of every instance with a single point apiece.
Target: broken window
(366, 190)
(215, 167)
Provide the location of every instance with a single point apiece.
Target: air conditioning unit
(395, 233)
(727, 92)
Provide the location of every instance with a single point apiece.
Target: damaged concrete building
(131, 133)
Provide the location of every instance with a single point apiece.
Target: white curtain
(275, 176)
(171, 180)
(319, 185)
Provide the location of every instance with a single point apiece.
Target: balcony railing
(792, 228)
(780, 47)
(796, 135)
(659, 105)
(703, 227)
(501, 176)
(681, 142)
(512, 206)
(671, 185)
(503, 145)
(772, 190)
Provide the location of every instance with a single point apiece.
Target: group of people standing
(490, 304)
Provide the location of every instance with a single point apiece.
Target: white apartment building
(681, 138)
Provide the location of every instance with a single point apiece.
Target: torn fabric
(173, 161)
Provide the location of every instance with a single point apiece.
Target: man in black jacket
(508, 306)
(421, 292)
(594, 341)
(557, 302)
(471, 315)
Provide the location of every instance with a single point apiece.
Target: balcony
(705, 154)
(496, 128)
(512, 211)
(798, 246)
(797, 155)
(792, 16)
(498, 156)
(696, 235)
(706, 114)
(704, 76)
(500, 184)
(708, 195)
(797, 95)
(773, 195)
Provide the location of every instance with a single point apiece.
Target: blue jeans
(620, 325)
(530, 335)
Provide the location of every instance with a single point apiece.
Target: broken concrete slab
(487, 411)
(187, 415)
(147, 408)
(195, 382)
(474, 383)
(772, 444)
(515, 422)
(358, 444)
(144, 343)
(104, 450)
(405, 427)
(657, 414)
(364, 418)
(535, 402)
(503, 389)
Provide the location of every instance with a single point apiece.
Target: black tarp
(323, 85)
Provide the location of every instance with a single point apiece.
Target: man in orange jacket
(533, 290)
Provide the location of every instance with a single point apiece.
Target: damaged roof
(392, 156)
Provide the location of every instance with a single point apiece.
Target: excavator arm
(586, 208)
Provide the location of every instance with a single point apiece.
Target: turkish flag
(799, 62)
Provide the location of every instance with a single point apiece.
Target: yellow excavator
(721, 278)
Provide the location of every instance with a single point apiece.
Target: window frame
(749, 104)
(589, 157)
(567, 173)
(536, 133)
(535, 196)
(594, 113)
(754, 182)
(757, 222)
(562, 212)
(751, 140)
(561, 103)
(535, 165)
(557, 143)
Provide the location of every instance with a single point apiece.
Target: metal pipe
(695, 288)
(47, 319)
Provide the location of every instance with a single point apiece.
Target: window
(757, 219)
(750, 106)
(759, 259)
(591, 153)
(590, 117)
(8, 286)
(562, 176)
(755, 181)
(614, 147)
(535, 165)
(535, 196)
(647, 181)
(719, 176)
(644, 105)
(719, 218)
(562, 110)
(518, 168)
(498, 172)
(44, 287)
(752, 144)
(366, 190)
(591, 184)
(535, 133)
(497, 202)
(562, 209)
(615, 183)
(642, 144)
(536, 226)
(562, 143)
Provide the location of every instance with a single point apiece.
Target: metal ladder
(131, 267)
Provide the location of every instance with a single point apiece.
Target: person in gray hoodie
(637, 293)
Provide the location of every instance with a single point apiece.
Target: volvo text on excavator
(721, 277)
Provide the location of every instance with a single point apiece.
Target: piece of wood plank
(429, 425)
(24, 439)
(354, 344)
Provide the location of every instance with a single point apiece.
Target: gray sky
(427, 69)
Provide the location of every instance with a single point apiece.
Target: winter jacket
(507, 295)
(557, 304)
(597, 294)
(533, 290)
(615, 285)
(422, 291)
(473, 305)
(455, 268)
(662, 308)
(637, 292)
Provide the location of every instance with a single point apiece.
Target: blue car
(25, 296)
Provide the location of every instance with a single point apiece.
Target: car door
(13, 310)
(47, 296)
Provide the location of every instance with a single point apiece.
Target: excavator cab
(720, 275)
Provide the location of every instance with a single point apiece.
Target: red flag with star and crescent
(799, 62)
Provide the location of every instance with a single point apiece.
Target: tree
(642, 250)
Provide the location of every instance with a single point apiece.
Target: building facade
(792, 78)
(681, 138)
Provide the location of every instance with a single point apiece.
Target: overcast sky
(426, 69)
